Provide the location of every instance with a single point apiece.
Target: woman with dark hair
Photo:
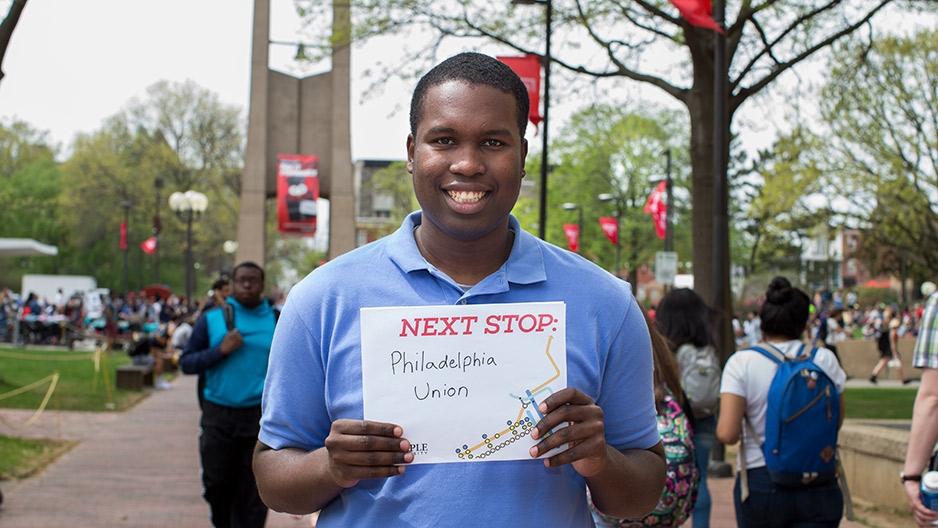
(690, 327)
(747, 376)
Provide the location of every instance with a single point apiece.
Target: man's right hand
(231, 342)
(360, 449)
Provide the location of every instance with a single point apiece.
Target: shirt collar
(525, 264)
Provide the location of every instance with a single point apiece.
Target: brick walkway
(135, 469)
(140, 469)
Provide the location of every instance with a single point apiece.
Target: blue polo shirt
(315, 378)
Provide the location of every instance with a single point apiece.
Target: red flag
(657, 207)
(124, 236)
(149, 246)
(573, 235)
(528, 68)
(610, 227)
(698, 13)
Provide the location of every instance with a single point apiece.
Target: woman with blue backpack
(782, 399)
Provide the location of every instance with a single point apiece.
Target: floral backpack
(680, 486)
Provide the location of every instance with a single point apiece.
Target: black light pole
(188, 206)
(126, 206)
(669, 225)
(542, 211)
(157, 227)
(606, 197)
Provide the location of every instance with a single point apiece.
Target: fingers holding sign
(584, 434)
(361, 449)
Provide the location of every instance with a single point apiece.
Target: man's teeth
(466, 196)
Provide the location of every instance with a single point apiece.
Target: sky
(73, 63)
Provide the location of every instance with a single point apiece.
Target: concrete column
(252, 216)
(342, 193)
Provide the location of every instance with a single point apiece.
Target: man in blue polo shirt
(466, 153)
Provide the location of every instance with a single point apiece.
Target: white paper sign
(464, 382)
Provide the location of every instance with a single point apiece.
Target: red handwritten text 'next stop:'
(469, 324)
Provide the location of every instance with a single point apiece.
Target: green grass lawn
(879, 403)
(80, 387)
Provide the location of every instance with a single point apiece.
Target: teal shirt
(238, 380)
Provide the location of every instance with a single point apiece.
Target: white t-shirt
(181, 335)
(748, 374)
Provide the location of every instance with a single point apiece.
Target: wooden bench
(134, 377)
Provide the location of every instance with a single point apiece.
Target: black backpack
(141, 347)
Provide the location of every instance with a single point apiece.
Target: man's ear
(410, 153)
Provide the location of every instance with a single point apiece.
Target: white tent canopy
(25, 247)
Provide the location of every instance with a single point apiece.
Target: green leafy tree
(206, 140)
(626, 39)
(395, 183)
(880, 111)
(780, 205)
(7, 27)
(30, 183)
(180, 136)
(611, 150)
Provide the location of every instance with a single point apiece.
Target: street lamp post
(669, 215)
(229, 247)
(126, 236)
(542, 212)
(606, 197)
(571, 207)
(188, 206)
(157, 227)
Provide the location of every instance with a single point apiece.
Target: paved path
(140, 469)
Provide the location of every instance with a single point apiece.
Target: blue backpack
(802, 421)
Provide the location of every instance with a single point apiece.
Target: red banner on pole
(657, 207)
(528, 68)
(610, 227)
(573, 236)
(698, 13)
(149, 245)
(123, 236)
(297, 192)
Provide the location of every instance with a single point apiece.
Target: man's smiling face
(467, 158)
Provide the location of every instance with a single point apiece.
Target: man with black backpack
(229, 348)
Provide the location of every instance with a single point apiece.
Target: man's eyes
(490, 143)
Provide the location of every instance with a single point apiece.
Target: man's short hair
(220, 283)
(247, 264)
(471, 68)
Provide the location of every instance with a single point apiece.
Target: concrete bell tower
(289, 115)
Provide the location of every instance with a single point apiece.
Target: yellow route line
(521, 411)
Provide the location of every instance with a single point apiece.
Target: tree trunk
(6, 28)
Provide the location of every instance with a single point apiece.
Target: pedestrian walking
(230, 349)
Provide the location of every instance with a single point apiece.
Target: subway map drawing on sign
(464, 382)
(520, 426)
